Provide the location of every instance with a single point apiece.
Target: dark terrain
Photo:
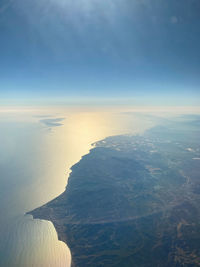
(134, 201)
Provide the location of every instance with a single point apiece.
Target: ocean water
(37, 149)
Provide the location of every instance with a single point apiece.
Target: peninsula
(133, 201)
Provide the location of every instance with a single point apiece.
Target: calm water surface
(36, 154)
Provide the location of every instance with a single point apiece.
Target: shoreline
(40, 213)
(60, 236)
(124, 190)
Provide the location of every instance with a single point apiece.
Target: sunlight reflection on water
(35, 161)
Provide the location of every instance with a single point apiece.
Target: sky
(136, 52)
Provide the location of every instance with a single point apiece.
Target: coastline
(40, 213)
(125, 189)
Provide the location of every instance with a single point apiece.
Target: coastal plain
(134, 200)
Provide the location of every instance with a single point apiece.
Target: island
(134, 200)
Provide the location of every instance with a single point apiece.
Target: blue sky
(146, 51)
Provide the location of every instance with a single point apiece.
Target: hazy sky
(146, 51)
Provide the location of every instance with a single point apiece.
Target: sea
(37, 149)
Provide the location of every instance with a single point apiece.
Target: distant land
(133, 201)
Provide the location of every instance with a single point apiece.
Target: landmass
(133, 201)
